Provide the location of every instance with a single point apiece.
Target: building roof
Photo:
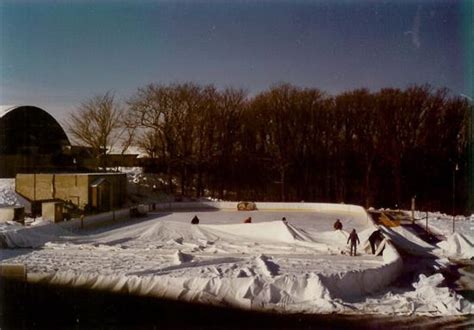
(28, 129)
(4, 109)
(98, 182)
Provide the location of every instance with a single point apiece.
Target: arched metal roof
(30, 130)
(4, 109)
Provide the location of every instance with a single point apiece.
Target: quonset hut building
(31, 140)
(35, 150)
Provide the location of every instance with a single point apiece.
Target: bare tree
(290, 143)
(96, 124)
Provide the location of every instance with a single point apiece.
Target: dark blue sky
(56, 53)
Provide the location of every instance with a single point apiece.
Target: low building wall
(52, 211)
(75, 187)
(14, 213)
(355, 210)
(96, 219)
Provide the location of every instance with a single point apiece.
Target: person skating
(338, 225)
(354, 239)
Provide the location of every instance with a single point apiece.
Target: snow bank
(427, 299)
(268, 290)
(455, 245)
(274, 231)
(294, 293)
(458, 246)
(439, 298)
(246, 292)
(359, 283)
(18, 236)
(442, 224)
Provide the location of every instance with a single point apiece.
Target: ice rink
(298, 265)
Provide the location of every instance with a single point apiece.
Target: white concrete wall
(8, 214)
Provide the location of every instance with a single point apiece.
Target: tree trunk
(397, 171)
(170, 178)
(199, 182)
(367, 190)
(282, 184)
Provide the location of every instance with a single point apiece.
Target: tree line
(297, 144)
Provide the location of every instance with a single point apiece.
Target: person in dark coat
(248, 220)
(375, 239)
(284, 220)
(195, 220)
(338, 225)
(354, 239)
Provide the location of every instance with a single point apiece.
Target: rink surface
(301, 265)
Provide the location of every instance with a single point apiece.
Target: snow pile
(137, 176)
(306, 293)
(244, 292)
(18, 236)
(180, 257)
(439, 298)
(164, 231)
(442, 224)
(458, 246)
(429, 298)
(455, 246)
(8, 196)
(145, 187)
(275, 231)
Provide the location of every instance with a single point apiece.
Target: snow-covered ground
(8, 197)
(441, 223)
(459, 244)
(298, 266)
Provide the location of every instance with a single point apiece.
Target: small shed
(100, 194)
(52, 211)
